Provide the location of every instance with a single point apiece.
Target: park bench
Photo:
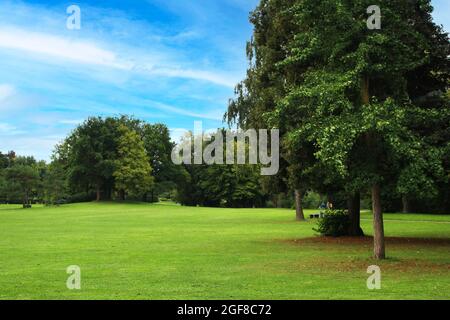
(319, 215)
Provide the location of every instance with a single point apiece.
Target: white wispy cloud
(39, 146)
(7, 129)
(6, 91)
(87, 52)
(212, 115)
(119, 62)
(71, 122)
(217, 78)
(56, 46)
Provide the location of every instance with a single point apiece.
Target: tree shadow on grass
(364, 241)
(345, 254)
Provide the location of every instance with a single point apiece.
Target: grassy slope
(139, 251)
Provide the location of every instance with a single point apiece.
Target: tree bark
(354, 212)
(298, 206)
(406, 205)
(378, 227)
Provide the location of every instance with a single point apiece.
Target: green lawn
(142, 251)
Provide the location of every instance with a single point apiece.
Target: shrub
(335, 223)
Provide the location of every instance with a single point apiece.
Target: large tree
(356, 90)
(89, 154)
(429, 117)
(339, 93)
(132, 167)
(265, 85)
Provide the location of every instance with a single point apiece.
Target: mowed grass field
(164, 251)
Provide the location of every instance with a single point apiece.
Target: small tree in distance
(20, 181)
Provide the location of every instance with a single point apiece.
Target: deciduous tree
(132, 168)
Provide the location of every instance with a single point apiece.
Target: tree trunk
(354, 212)
(406, 205)
(98, 194)
(378, 227)
(122, 195)
(298, 206)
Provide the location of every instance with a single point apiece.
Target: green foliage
(4, 161)
(90, 155)
(355, 107)
(335, 223)
(55, 184)
(220, 185)
(132, 168)
(81, 197)
(312, 200)
(158, 145)
(3, 189)
(21, 180)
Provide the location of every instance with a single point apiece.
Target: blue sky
(170, 61)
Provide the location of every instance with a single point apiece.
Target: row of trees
(21, 178)
(359, 110)
(117, 158)
(220, 185)
(102, 159)
(125, 158)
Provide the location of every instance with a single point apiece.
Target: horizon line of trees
(77, 174)
(102, 159)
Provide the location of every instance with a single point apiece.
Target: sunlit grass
(165, 251)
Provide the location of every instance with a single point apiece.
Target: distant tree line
(122, 158)
(102, 159)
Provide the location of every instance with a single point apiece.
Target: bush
(335, 223)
